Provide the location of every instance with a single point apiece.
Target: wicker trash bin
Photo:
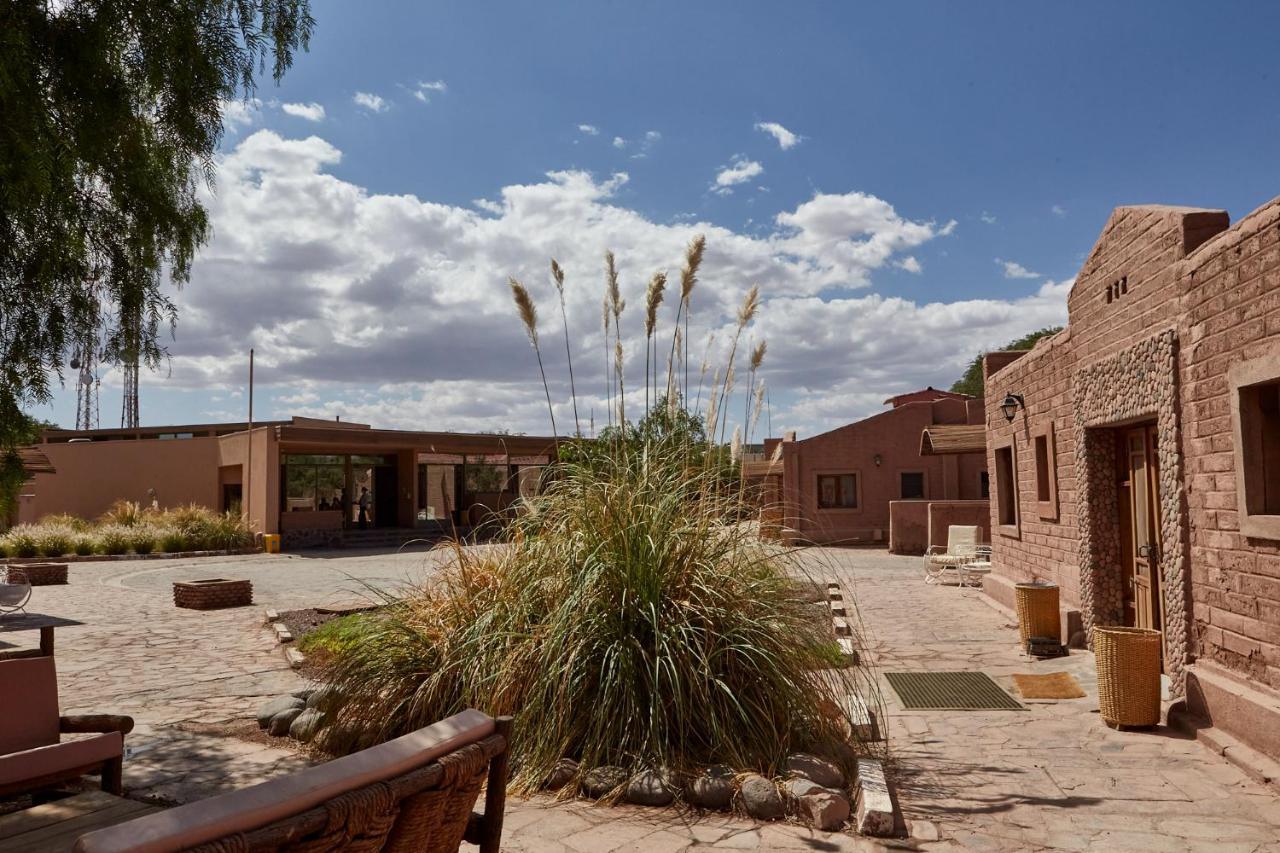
(1128, 661)
(1037, 603)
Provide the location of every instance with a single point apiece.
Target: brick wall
(1160, 282)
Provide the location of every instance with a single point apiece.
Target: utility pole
(247, 498)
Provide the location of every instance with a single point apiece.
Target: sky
(908, 183)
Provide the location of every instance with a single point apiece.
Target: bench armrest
(95, 723)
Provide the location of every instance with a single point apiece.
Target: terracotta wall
(93, 475)
(1190, 298)
(893, 435)
(943, 514)
(260, 474)
(908, 527)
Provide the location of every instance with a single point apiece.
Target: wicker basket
(1037, 604)
(1128, 661)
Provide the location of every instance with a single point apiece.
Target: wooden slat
(945, 439)
(78, 815)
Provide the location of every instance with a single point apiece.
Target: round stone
(649, 789)
(815, 769)
(712, 789)
(562, 774)
(306, 725)
(279, 725)
(600, 781)
(760, 798)
(825, 810)
(276, 706)
(323, 698)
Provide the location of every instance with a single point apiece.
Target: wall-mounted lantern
(876, 459)
(1010, 406)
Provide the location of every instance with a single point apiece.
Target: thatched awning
(948, 439)
(34, 461)
(762, 468)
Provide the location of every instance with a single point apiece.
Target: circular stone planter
(212, 593)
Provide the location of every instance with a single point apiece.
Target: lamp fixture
(1010, 406)
(876, 459)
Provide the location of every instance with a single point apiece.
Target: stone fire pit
(42, 574)
(212, 593)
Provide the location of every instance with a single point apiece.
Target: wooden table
(14, 622)
(56, 826)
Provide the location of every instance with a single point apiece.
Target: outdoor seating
(963, 557)
(15, 590)
(32, 753)
(412, 793)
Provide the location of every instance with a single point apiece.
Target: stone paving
(1051, 777)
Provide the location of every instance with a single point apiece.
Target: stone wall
(1167, 301)
(908, 527)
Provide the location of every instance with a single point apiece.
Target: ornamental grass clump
(631, 615)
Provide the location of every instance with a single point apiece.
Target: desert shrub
(113, 539)
(172, 542)
(338, 635)
(82, 544)
(228, 531)
(70, 522)
(54, 540)
(123, 512)
(142, 538)
(631, 616)
(22, 541)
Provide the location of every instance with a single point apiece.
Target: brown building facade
(837, 486)
(302, 478)
(1141, 468)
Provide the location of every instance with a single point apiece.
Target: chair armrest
(95, 723)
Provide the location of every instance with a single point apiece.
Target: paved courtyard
(1051, 777)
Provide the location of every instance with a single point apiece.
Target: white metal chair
(961, 551)
(15, 590)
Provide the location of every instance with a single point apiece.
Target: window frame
(924, 484)
(838, 472)
(1014, 529)
(1046, 509)
(984, 478)
(1241, 378)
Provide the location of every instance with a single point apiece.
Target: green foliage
(110, 116)
(17, 429)
(972, 382)
(336, 636)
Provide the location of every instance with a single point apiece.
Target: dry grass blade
(757, 355)
(750, 305)
(653, 299)
(528, 312)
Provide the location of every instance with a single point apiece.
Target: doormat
(1051, 685)
(950, 691)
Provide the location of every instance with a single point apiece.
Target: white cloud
(988, 218)
(238, 113)
(1013, 269)
(393, 309)
(1058, 210)
(737, 172)
(786, 139)
(423, 91)
(910, 263)
(310, 112)
(589, 129)
(372, 103)
(652, 137)
(619, 142)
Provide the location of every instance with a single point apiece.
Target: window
(837, 491)
(1046, 471)
(1255, 414)
(313, 482)
(984, 485)
(1006, 490)
(911, 485)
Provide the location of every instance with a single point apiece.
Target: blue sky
(993, 133)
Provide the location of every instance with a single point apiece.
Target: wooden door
(1144, 506)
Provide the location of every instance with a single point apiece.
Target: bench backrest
(414, 792)
(962, 540)
(28, 704)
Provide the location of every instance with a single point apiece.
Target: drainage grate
(950, 691)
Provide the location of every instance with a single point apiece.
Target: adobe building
(301, 478)
(1135, 458)
(836, 487)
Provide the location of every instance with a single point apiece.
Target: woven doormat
(950, 691)
(1050, 685)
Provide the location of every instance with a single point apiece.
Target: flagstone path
(1051, 777)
